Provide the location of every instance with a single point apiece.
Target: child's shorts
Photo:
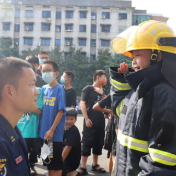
(69, 168)
(54, 162)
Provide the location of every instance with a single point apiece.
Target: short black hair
(32, 59)
(43, 52)
(70, 74)
(53, 63)
(71, 112)
(98, 73)
(11, 70)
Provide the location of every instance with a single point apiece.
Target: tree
(7, 49)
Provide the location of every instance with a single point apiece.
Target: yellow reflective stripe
(132, 143)
(119, 108)
(162, 157)
(120, 86)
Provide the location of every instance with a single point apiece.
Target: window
(69, 27)
(82, 42)
(69, 14)
(68, 41)
(17, 27)
(105, 28)
(122, 28)
(7, 12)
(122, 15)
(17, 13)
(45, 41)
(67, 54)
(92, 57)
(93, 42)
(82, 28)
(58, 14)
(16, 41)
(105, 43)
(57, 42)
(28, 41)
(29, 13)
(6, 26)
(93, 15)
(106, 15)
(46, 14)
(93, 29)
(58, 28)
(83, 14)
(28, 27)
(45, 27)
(82, 54)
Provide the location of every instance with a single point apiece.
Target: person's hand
(123, 68)
(49, 135)
(89, 123)
(111, 114)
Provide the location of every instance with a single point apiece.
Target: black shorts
(92, 138)
(69, 167)
(54, 162)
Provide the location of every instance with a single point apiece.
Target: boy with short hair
(53, 116)
(70, 92)
(72, 140)
(147, 124)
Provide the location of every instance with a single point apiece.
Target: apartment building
(88, 24)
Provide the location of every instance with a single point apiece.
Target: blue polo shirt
(53, 101)
(13, 151)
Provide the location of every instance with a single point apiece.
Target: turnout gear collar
(143, 80)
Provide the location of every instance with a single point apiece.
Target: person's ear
(160, 55)
(9, 91)
(56, 74)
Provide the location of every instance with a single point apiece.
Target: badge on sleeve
(3, 169)
(19, 159)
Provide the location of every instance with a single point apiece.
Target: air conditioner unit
(58, 29)
(27, 29)
(68, 30)
(20, 3)
(38, 44)
(48, 19)
(93, 17)
(103, 16)
(93, 45)
(67, 43)
(16, 43)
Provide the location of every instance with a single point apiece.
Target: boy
(72, 140)
(147, 124)
(94, 122)
(53, 116)
(28, 125)
(17, 95)
(70, 92)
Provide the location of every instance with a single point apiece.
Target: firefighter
(146, 141)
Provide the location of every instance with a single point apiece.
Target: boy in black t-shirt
(72, 144)
(94, 122)
(70, 93)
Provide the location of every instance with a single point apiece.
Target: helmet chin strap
(154, 57)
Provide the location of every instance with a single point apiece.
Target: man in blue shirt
(17, 95)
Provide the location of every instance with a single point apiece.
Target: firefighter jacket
(146, 141)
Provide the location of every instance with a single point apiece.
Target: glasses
(47, 71)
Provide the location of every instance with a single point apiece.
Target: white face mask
(45, 152)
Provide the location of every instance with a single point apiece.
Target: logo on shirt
(12, 138)
(3, 169)
(49, 101)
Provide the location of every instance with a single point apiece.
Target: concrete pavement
(103, 160)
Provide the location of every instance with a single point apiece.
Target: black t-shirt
(70, 97)
(92, 97)
(40, 82)
(72, 138)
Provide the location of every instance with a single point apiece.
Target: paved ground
(103, 161)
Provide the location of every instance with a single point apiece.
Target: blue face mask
(62, 80)
(48, 77)
(41, 61)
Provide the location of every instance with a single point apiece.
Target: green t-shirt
(28, 125)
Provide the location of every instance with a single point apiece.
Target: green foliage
(6, 48)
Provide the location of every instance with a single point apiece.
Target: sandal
(101, 170)
(83, 173)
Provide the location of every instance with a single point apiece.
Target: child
(28, 125)
(147, 123)
(70, 92)
(72, 140)
(53, 116)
